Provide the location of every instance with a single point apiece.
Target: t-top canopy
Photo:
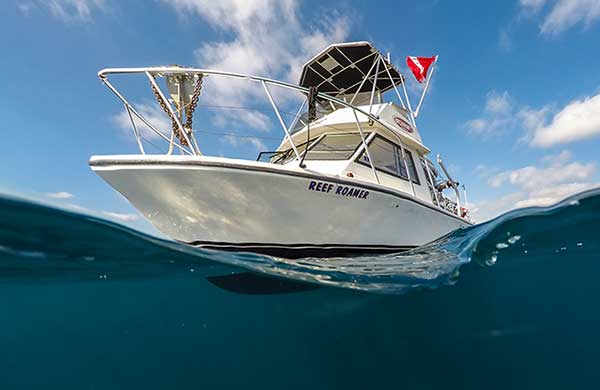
(341, 68)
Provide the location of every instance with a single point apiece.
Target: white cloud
(65, 10)
(579, 120)
(261, 35)
(532, 177)
(532, 6)
(497, 117)
(485, 171)
(59, 195)
(247, 118)
(498, 103)
(477, 125)
(223, 118)
(556, 178)
(554, 17)
(551, 195)
(488, 209)
(562, 15)
(157, 117)
(153, 114)
(568, 13)
(532, 119)
(558, 159)
(237, 141)
(121, 216)
(265, 38)
(527, 10)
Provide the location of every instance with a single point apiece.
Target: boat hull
(258, 207)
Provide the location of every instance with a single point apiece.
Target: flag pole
(416, 114)
(410, 110)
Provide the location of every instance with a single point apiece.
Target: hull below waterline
(256, 207)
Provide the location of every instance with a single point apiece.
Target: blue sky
(514, 105)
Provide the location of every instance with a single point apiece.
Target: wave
(38, 242)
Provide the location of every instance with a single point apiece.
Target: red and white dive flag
(419, 66)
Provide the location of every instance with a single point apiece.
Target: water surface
(88, 304)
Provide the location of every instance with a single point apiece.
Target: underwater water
(88, 304)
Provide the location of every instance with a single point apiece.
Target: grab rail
(104, 73)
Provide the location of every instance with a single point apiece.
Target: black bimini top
(341, 68)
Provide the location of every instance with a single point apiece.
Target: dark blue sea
(509, 304)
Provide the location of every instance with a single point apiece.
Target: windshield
(334, 147)
(288, 155)
(323, 108)
(327, 147)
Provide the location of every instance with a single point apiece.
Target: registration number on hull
(337, 189)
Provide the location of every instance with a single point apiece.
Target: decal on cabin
(403, 124)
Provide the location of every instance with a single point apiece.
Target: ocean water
(512, 303)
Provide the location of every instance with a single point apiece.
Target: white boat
(363, 185)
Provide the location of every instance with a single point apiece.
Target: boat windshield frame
(285, 156)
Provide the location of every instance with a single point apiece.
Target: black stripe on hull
(296, 251)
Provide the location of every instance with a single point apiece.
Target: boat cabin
(333, 145)
(343, 142)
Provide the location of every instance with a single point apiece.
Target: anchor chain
(189, 110)
(174, 125)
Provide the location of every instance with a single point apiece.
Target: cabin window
(334, 147)
(384, 156)
(432, 170)
(410, 162)
(387, 158)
